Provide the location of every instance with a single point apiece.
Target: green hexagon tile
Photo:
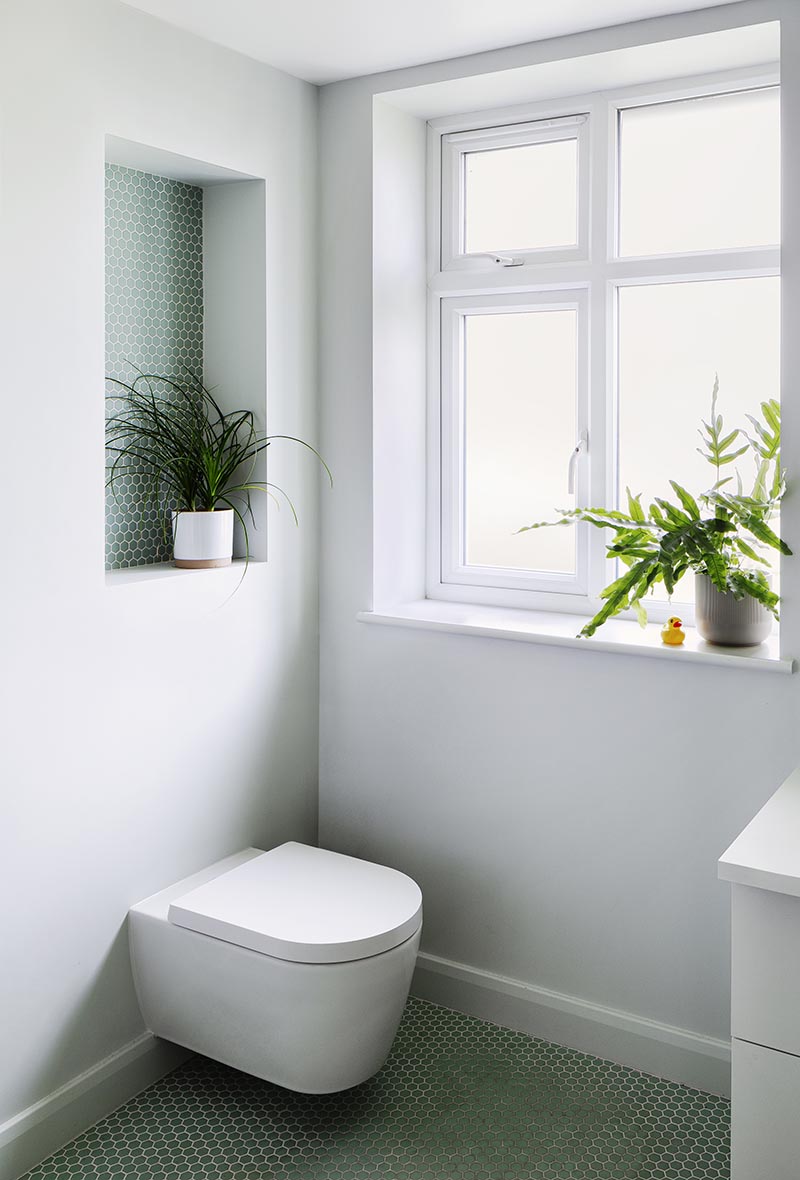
(459, 1099)
(154, 320)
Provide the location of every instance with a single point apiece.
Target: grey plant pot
(729, 621)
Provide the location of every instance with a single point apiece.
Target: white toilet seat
(304, 905)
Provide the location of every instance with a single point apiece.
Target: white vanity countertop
(766, 854)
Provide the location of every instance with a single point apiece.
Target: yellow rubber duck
(672, 632)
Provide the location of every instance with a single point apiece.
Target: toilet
(293, 965)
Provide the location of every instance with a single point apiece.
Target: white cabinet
(765, 1127)
(765, 968)
(763, 865)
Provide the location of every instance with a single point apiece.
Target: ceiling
(327, 40)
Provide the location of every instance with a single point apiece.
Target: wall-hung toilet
(293, 965)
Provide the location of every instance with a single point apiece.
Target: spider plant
(192, 455)
(720, 533)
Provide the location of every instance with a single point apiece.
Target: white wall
(563, 811)
(147, 729)
(235, 309)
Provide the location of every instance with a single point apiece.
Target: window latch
(581, 445)
(501, 259)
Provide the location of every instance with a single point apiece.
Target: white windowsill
(559, 630)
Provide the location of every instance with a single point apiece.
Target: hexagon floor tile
(458, 1100)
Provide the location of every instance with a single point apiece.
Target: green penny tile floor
(457, 1100)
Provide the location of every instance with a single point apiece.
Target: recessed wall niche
(185, 289)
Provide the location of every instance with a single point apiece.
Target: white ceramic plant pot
(203, 540)
(729, 621)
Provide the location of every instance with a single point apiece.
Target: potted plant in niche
(197, 462)
(720, 535)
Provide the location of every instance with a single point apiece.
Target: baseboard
(647, 1045)
(35, 1133)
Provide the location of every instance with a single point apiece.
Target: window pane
(522, 198)
(701, 174)
(672, 340)
(520, 427)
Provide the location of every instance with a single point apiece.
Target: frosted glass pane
(672, 339)
(702, 174)
(520, 427)
(522, 198)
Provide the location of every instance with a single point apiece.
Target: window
(516, 188)
(593, 264)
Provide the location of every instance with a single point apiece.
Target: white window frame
(587, 276)
(458, 145)
(454, 311)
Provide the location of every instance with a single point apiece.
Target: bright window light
(519, 429)
(521, 198)
(700, 174)
(673, 337)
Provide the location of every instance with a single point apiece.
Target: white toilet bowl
(293, 965)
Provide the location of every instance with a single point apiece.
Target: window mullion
(600, 408)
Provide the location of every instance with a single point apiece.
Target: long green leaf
(688, 502)
(762, 532)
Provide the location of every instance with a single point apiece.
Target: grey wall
(146, 729)
(562, 810)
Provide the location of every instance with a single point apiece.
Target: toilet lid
(306, 905)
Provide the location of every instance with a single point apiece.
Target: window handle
(499, 259)
(581, 445)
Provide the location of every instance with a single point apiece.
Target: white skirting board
(659, 1049)
(646, 1045)
(34, 1134)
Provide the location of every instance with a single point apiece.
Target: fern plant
(192, 455)
(721, 533)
